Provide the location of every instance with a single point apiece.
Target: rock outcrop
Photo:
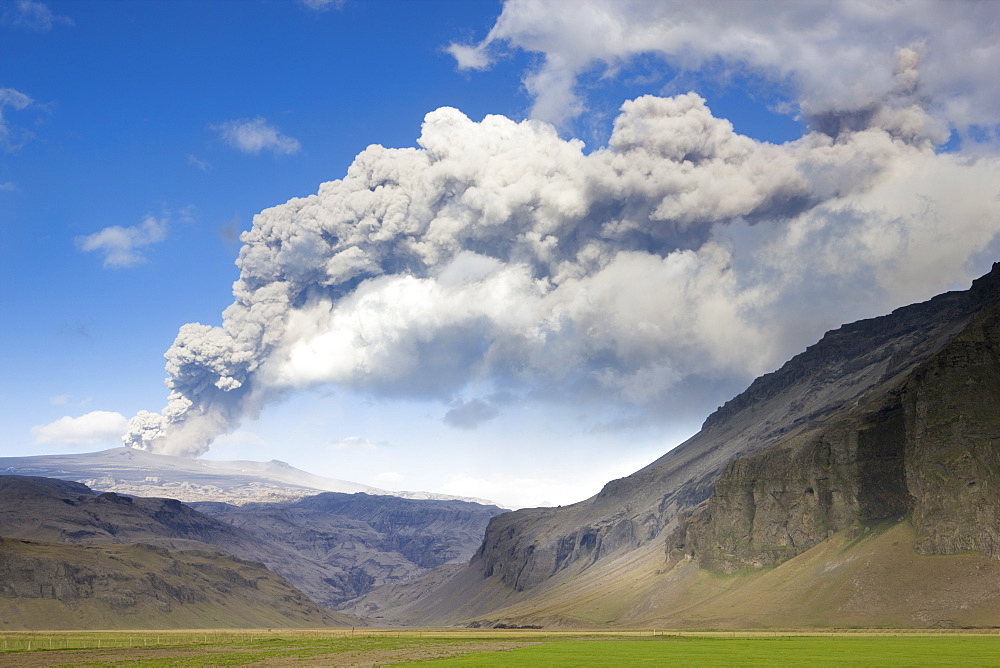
(927, 448)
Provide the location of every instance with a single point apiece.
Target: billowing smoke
(501, 260)
(833, 55)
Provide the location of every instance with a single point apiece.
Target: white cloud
(188, 214)
(525, 491)
(323, 5)
(836, 56)
(197, 162)
(122, 246)
(469, 57)
(10, 97)
(88, 429)
(60, 400)
(33, 16)
(255, 135)
(389, 478)
(9, 187)
(11, 138)
(497, 257)
(470, 414)
(354, 444)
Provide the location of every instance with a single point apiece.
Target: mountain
(880, 444)
(359, 541)
(71, 558)
(333, 547)
(133, 586)
(141, 473)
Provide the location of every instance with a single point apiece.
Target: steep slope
(58, 586)
(928, 449)
(59, 511)
(876, 413)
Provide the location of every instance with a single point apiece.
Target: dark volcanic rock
(928, 448)
(953, 443)
(428, 533)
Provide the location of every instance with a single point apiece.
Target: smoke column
(499, 255)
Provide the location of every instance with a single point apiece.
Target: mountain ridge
(141, 473)
(332, 555)
(47, 585)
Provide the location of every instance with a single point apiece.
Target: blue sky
(138, 139)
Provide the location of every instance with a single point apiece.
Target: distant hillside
(891, 421)
(141, 473)
(362, 540)
(333, 547)
(138, 586)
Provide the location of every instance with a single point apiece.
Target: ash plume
(498, 255)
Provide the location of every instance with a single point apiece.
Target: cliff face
(928, 448)
(831, 420)
(952, 463)
(771, 506)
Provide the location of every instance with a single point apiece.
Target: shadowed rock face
(952, 462)
(770, 506)
(881, 418)
(365, 540)
(928, 448)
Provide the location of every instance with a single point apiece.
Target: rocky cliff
(927, 447)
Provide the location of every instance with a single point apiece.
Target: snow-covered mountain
(141, 473)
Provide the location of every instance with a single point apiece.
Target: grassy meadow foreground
(497, 647)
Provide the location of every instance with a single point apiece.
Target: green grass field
(775, 651)
(494, 648)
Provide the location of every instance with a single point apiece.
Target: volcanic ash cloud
(498, 255)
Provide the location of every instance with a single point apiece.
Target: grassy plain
(497, 648)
